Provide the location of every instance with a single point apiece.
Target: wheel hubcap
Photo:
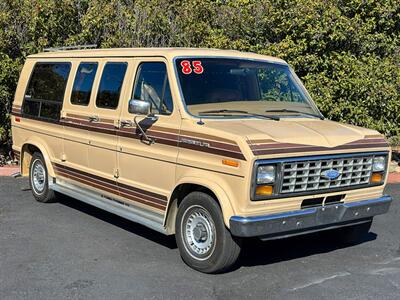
(199, 232)
(38, 177)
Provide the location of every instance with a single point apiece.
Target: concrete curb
(8, 170)
(394, 178)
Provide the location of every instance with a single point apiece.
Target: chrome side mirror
(139, 107)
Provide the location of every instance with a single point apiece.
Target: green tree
(347, 52)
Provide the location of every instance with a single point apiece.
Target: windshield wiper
(243, 112)
(296, 111)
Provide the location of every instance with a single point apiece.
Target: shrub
(347, 52)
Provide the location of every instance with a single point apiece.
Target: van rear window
(45, 93)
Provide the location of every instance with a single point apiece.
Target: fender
(222, 197)
(40, 144)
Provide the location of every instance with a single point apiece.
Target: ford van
(211, 146)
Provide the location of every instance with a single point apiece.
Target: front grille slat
(303, 176)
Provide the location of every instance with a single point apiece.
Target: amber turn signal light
(264, 190)
(231, 163)
(376, 177)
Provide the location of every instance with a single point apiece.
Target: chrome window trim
(278, 163)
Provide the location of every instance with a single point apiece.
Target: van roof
(164, 52)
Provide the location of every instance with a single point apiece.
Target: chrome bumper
(309, 220)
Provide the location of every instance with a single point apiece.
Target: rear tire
(205, 244)
(39, 180)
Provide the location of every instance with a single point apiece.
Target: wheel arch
(27, 150)
(191, 184)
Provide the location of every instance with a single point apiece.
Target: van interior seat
(224, 95)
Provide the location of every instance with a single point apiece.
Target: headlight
(379, 164)
(265, 174)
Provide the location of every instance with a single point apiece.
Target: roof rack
(65, 48)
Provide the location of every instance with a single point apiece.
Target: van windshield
(227, 86)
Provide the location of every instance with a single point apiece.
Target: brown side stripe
(16, 109)
(166, 136)
(17, 154)
(167, 130)
(276, 148)
(291, 145)
(163, 137)
(213, 151)
(79, 117)
(174, 140)
(125, 191)
(112, 182)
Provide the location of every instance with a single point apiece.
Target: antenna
(65, 48)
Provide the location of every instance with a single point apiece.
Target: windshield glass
(211, 84)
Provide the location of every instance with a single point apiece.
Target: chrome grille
(304, 176)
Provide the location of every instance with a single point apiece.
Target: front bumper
(309, 220)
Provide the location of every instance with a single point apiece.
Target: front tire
(205, 244)
(39, 180)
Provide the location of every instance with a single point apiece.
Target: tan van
(212, 146)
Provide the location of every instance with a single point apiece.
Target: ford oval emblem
(330, 174)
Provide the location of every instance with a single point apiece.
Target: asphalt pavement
(69, 250)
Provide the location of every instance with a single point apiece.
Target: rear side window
(45, 93)
(152, 86)
(110, 85)
(83, 83)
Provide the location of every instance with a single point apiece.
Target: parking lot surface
(69, 250)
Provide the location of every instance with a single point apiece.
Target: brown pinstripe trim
(217, 148)
(251, 142)
(276, 148)
(213, 151)
(151, 194)
(79, 117)
(125, 191)
(291, 145)
(17, 154)
(161, 135)
(16, 109)
(206, 137)
(167, 130)
(374, 136)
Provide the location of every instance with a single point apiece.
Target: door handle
(125, 123)
(94, 119)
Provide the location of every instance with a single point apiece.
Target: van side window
(152, 85)
(110, 85)
(83, 83)
(45, 93)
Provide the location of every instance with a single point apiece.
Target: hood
(303, 134)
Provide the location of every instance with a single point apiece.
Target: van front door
(147, 166)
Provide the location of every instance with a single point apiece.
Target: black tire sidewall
(214, 261)
(42, 197)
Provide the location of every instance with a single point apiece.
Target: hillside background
(346, 52)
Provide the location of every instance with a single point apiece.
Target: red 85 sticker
(189, 67)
